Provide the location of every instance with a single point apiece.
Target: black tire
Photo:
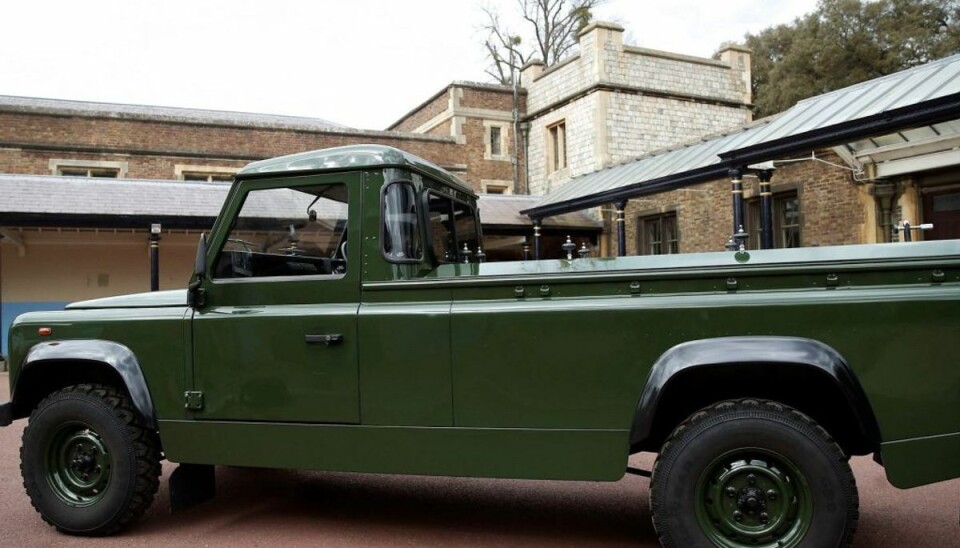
(89, 463)
(753, 473)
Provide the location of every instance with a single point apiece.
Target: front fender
(117, 357)
(724, 351)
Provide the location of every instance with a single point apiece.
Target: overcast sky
(361, 63)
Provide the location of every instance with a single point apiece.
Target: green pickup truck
(341, 318)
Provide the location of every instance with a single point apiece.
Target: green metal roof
(353, 157)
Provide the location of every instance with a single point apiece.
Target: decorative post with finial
(569, 247)
(583, 251)
(465, 253)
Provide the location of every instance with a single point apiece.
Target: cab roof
(352, 157)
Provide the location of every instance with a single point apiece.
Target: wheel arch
(53, 365)
(805, 374)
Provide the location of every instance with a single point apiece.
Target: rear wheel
(753, 473)
(90, 466)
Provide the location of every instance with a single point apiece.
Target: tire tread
(717, 411)
(145, 444)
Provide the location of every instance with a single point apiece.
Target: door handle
(329, 340)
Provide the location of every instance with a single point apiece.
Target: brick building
(847, 167)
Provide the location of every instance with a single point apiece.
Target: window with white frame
(88, 168)
(496, 186)
(210, 174)
(495, 141)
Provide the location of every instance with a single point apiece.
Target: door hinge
(193, 400)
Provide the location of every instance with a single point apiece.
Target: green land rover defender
(341, 318)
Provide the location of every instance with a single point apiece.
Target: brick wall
(831, 212)
(423, 113)
(28, 141)
(465, 111)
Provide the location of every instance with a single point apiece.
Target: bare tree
(550, 29)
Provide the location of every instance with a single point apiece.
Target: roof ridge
(114, 108)
(110, 180)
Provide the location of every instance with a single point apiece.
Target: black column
(621, 229)
(736, 189)
(155, 258)
(536, 239)
(766, 209)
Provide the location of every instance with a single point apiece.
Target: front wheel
(90, 466)
(753, 473)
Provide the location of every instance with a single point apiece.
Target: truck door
(276, 336)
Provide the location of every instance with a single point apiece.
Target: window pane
(466, 228)
(788, 210)
(659, 235)
(555, 146)
(669, 234)
(441, 228)
(401, 225)
(562, 153)
(495, 141)
(73, 172)
(287, 232)
(653, 236)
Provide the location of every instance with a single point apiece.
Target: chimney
(737, 57)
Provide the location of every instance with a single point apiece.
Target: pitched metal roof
(927, 94)
(922, 84)
(166, 114)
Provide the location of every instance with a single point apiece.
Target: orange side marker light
(45, 331)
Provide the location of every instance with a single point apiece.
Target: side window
(296, 231)
(453, 224)
(441, 228)
(466, 226)
(401, 224)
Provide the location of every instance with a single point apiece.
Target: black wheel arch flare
(105, 357)
(700, 357)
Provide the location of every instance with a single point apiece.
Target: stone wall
(637, 124)
(619, 102)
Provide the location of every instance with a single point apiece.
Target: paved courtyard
(289, 508)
